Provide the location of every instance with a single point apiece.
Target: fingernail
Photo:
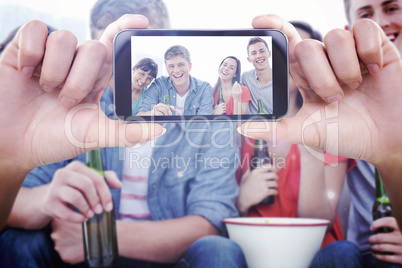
(109, 207)
(98, 209)
(67, 102)
(373, 68)
(47, 88)
(90, 213)
(28, 71)
(335, 98)
(354, 86)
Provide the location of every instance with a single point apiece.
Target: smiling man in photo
(186, 94)
(259, 79)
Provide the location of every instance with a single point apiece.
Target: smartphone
(180, 75)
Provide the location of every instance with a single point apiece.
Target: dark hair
(347, 9)
(307, 28)
(12, 34)
(147, 64)
(313, 35)
(177, 50)
(255, 40)
(236, 78)
(105, 12)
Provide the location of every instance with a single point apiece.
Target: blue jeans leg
(338, 254)
(371, 262)
(25, 248)
(213, 251)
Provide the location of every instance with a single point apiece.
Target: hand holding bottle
(255, 186)
(220, 109)
(67, 238)
(386, 242)
(78, 186)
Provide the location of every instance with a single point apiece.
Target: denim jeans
(23, 248)
(339, 254)
(371, 262)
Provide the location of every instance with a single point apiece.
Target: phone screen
(213, 75)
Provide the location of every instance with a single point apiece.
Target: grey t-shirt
(258, 92)
(361, 183)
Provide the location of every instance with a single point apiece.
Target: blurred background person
(361, 179)
(300, 183)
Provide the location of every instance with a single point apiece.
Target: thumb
(87, 128)
(119, 134)
(309, 127)
(112, 179)
(274, 132)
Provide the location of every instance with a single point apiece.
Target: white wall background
(72, 15)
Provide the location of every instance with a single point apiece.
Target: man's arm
(74, 186)
(206, 100)
(320, 185)
(26, 211)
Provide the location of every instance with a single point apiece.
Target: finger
(127, 135)
(341, 48)
(55, 69)
(30, 40)
(368, 47)
(112, 179)
(385, 247)
(125, 22)
(275, 22)
(89, 60)
(75, 198)
(77, 176)
(93, 186)
(67, 214)
(321, 80)
(285, 131)
(272, 191)
(390, 238)
(385, 222)
(271, 21)
(388, 258)
(128, 21)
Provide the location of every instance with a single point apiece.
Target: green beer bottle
(220, 98)
(261, 156)
(100, 240)
(260, 107)
(382, 206)
(166, 100)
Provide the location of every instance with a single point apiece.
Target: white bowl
(277, 242)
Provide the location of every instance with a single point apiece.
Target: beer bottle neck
(166, 100)
(260, 107)
(94, 161)
(260, 145)
(380, 193)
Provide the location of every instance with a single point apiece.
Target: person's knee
(215, 250)
(213, 244)
(338, 254)
(17, 245)
(18, 238)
